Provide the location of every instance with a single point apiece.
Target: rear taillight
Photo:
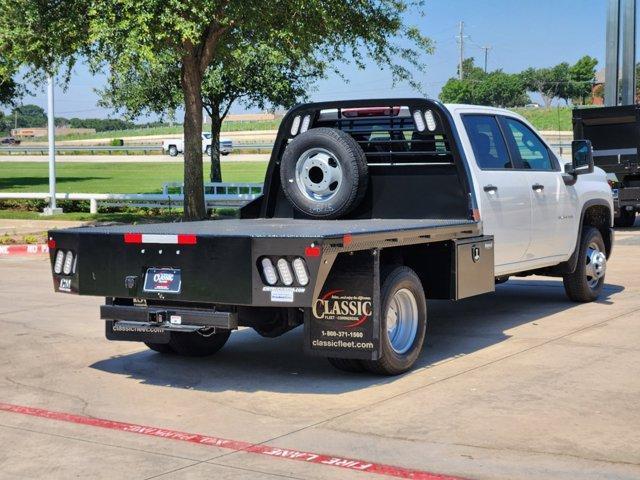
(57, 265)
(268, 272)
(300, 270)
(67, 268)
(64, 262)
(284, 272)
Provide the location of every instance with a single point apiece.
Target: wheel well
(599, 216)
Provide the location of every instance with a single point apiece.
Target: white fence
(216, 195)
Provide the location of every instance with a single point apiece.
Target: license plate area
(163, 280)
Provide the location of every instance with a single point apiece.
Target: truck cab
(530, 204)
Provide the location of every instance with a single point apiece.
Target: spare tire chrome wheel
(318, 174)
(324, 173)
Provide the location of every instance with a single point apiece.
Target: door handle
(490, 188)
(537, 187)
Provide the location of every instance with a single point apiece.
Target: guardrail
(92, 149)
(232, 195)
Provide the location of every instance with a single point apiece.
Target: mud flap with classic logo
(344, 321)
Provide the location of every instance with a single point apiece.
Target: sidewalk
(27, 227)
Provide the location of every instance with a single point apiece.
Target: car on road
(370, 209)
(9, 141)
(174, 146)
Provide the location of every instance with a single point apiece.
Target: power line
(461, 37)
(486, 55)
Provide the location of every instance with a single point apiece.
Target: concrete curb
(13, 250)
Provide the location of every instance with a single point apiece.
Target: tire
(324, 173)
(207, 151)
(159, 347)
(397, 356)
(626, 219)
(224, 154)
(193, 344)
(173, 151)
(586, 282)
(347, 364)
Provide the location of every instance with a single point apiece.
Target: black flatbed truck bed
(419, 213)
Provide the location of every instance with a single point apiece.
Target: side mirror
(581, 157)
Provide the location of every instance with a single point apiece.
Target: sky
(521, 34)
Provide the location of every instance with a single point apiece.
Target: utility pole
(461, 40)
(52, 208)
(486, 56)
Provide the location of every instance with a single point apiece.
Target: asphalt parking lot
(517, 384)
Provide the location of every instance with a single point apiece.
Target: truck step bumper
(154, 324)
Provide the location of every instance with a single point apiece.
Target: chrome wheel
(402, 320)
(318, 174)
(596, 265)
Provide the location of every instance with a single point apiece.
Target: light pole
(52, 209)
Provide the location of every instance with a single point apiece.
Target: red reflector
(476, 214)
(132, 238)
(312, 251)
(346, 239)
(187, 239)
(51, 244)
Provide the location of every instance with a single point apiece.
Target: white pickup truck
(370, 209)
(174, 146)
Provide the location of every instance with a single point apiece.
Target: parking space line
(228, 444)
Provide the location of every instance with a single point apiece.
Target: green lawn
(167, 130)
(113, 177)
(548, 118)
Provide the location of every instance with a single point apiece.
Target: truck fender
(607, 234)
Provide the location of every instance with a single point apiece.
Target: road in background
(234, 157)
(517, 384)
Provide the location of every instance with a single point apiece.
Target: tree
(30, 116)
(254, 75)
(495, 88)
(195, 35)
(583, 75)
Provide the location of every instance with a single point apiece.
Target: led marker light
(269, 272)
(68, 263)
(305, 123)
(301, 271)
(431, 120)
(295, 125)
(419, 121)
(285, 272)
(57, 266)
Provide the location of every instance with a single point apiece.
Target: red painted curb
(36, 249)
(234, 445)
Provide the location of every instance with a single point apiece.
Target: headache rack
(389, 136)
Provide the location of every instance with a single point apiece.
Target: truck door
(505, 203)
(553, 226)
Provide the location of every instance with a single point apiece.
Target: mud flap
(344, 321)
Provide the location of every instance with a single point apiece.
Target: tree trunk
(194, 206)
(216, 126)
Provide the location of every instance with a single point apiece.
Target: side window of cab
(487, 142)
(528, 150)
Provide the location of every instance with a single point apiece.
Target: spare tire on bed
(324, 173)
